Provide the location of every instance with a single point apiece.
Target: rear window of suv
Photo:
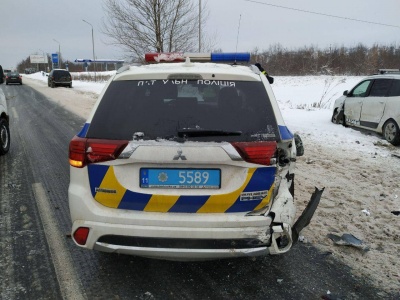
(161, 108)
(61, 74)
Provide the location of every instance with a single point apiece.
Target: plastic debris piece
(348, 240)
(396, 212)
(366, 212)
(279, 280)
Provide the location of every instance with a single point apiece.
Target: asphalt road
(39, 260)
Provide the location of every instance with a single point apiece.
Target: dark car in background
(59, 77)
(30, 70)
(13, 77)
(2, 76)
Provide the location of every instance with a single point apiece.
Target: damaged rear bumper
(283, 237)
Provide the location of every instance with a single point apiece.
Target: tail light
(83, 151)
(262, 153)
(80, 235)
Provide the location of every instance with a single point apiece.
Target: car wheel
(334, 116)
(391, 132)
(337, 116)
(4, 137)
(70, 86)
(52, 85)
(6, 83)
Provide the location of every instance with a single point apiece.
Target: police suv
(186, 158)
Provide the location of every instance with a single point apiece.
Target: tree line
(310, 60)
(280, 61)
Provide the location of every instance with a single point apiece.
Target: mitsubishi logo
(179, 155)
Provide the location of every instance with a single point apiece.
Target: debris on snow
(366, 212)
(396, 155)
(348, 240)
(303, 239)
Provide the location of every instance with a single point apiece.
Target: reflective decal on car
(255, 193)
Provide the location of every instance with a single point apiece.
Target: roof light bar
(197, 57)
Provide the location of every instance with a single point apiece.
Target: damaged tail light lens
(262, 153)
(83, 151)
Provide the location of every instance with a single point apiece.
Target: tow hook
(281, 232)
(307, 214)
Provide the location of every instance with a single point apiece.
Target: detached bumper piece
(284, 237)
(307, 214)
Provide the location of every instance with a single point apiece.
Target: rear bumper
(61, 83)
(104, 222)
(177, 243)
(182, 254)
(187, 236)
(215, 235)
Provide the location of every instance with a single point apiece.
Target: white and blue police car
(186, 158)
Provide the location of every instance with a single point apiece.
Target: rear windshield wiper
(194, 132)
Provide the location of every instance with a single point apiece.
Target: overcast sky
(30, 27)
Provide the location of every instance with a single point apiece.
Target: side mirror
(299, 145)
(345, 93)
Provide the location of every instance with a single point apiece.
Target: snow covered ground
(359, 170)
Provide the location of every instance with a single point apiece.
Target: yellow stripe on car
(221, 203)
(161, 203)
(111, 191)
(267, 199)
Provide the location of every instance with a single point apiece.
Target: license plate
(180, 178)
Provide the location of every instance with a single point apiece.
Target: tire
(4, 137)
(338, 116)
(391, 132)
(52, 85)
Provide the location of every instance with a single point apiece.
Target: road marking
(67, 279)
(14, 111)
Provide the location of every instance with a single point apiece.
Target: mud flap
(306, 215)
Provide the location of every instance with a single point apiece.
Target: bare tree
(140, 26)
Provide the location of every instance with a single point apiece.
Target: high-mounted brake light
(203, 57)
(83, 151)
(257, 152)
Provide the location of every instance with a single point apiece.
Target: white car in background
(4, 125)
(373, 104)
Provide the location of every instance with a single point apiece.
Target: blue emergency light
(223, 57)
